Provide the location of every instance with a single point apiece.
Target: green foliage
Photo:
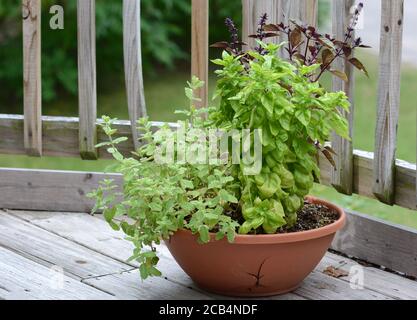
(166, 40)
(163, 38)
(160, 199)
(296, 116)
(257, 90)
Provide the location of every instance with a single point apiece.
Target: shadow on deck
(36, 246)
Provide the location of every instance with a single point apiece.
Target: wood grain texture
(376, 279)
(86, 230)
(87, 79)
(342, 177)
(60, 135)
(133, 64)
(319, 286)
(61, 139)
(93, 232)
(405, 184)
(23, 279)
(305, 11)
(371, 239)
(127, 286)
(379, 242)
(32, 97)
(302, 11)
(252, 11)
(48, 190)
(388, 100)
(199, 47)
(50, 250)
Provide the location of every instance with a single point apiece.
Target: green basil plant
(259, 91)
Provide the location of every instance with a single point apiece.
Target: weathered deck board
(391, 285)
(319, 286)
(23, 279)
(87, 230)
(50, 250)
(128, 286)
(379, 242)
(92, 233)
(52, 191)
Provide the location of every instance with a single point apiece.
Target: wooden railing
(376, 175)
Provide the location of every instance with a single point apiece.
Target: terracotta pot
(254, 265)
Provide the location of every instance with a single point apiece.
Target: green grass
(165, 94)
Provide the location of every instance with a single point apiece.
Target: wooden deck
(35, 246)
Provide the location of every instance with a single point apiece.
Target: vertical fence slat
(342, 177)
(87, 82)
(31, 14)
(388, 99)
(200, 43)
(132, 47)
(278, 11)
(252, 11)
(305, 11)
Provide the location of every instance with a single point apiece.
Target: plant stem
(306, 52)
(289, 44)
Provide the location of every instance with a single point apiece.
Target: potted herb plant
(235, 228)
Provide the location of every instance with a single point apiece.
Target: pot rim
(294, 236)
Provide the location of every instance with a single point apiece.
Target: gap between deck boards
(86, 280)
(93, 234)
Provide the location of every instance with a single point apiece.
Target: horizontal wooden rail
(44, 190)
(379, 242)
(375, 176)
(405, 184)
(60, 138)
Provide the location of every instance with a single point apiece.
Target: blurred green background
(166, 57)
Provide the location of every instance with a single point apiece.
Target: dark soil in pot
(260, 265)
(313, 216)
